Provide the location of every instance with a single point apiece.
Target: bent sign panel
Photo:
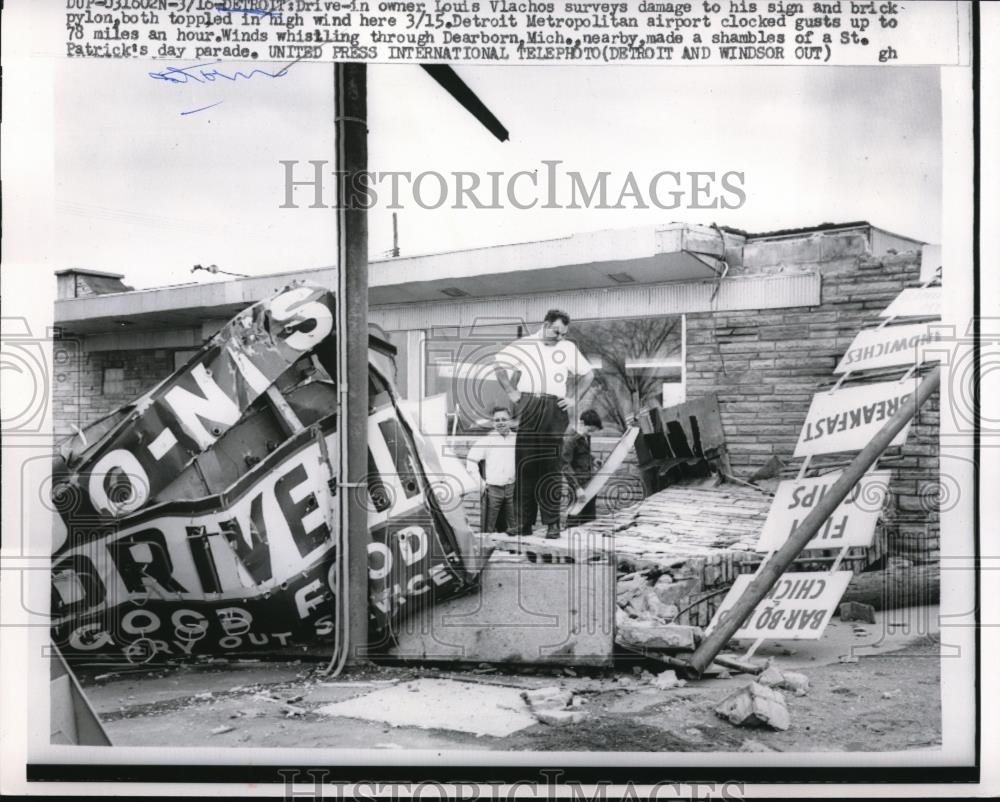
(202, 517)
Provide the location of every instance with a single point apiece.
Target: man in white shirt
(535, 373)
(496, 449)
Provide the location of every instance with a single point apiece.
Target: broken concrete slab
(552, 697)
(555, 706)
(648, 634)
(521, 613)
(753, 706)
(476, 708)
(668, 679)
(558, 718)
(794, 681)
(771, 677)
(702, 537)
(857, 611)
(671, 591)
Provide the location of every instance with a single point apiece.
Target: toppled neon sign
(201, 517)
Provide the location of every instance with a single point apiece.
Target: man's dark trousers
(537, 455)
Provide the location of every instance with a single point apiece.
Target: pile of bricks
(675, 551)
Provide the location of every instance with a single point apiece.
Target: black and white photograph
(555, 399)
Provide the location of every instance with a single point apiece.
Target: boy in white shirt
(497, 449)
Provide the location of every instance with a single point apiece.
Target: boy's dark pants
(499, 499)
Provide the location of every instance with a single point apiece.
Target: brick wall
(78, 395)
(765, 366)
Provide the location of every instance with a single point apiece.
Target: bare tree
(619, 392)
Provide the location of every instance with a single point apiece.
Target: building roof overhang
(649, 255)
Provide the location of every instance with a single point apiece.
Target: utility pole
(395, 237)
(351, 133)
(351, 140)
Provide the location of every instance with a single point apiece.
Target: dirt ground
(887, 700)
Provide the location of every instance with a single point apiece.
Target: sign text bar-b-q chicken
(202, 518)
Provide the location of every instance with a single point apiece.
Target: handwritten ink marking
(195, 111)
(260, 12)
(182, 75)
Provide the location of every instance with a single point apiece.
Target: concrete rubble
(857, 611)
(668, 679)
(673, 550)
(771, 677)
(675, 553)
(647, 633)
(755, 705)
(475, 708)
(555, 706)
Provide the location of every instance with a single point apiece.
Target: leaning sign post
(762, 582)
(838, 510)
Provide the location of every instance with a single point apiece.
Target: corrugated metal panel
(752, 292)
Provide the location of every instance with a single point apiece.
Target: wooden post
(771, 572)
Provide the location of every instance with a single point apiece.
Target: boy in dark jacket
(578, 465)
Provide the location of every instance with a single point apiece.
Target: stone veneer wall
(77, 387)
(765, 366)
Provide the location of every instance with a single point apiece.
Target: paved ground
(888, 699)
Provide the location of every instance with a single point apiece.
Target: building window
(638, 363)
(113, 381)
(459, 364)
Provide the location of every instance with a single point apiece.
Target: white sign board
(611, 464)
(799, 606)
(847, 419)
(889, 347)
(852, 523)
(915, 302)
(430, 415)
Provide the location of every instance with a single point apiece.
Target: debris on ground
(222, 730)
(794, 681)
(649, 634)
(556, 718)
(668, 679)
(857, 611)
(485, 709)
(553, 706)
(772, 677)
(755, 705)
(750, 745)
(738, 664)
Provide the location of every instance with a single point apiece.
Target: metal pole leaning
(783, 557)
